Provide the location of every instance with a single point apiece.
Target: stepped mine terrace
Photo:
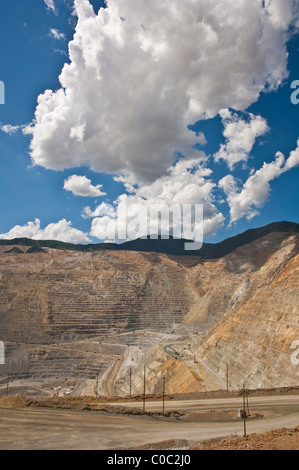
(94, 328)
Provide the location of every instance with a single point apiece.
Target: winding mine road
(279, 403)
(62, 429)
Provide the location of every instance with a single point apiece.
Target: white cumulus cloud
(186, 183)
(61, 231)
(240, 137)
(102, 210)
(82, 186)
(244, 201)
(140, 72)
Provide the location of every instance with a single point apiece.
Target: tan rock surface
(87, 322)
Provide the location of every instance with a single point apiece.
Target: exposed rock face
(258, 328)
(90, 321)
(76, 296)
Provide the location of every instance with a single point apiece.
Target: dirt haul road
(53, 429)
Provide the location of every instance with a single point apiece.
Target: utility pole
(130, 382)
(244, 410)
(97, 384)
(7, 383)
(163, 393)
(144, 389)
(227, 385)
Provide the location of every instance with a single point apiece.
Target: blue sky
(154, 108)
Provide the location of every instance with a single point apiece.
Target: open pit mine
(109, 321)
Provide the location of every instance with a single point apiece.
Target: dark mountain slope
(169, 246)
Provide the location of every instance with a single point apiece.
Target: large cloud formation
(244, 201)
(186, 183)
(141, 72)
(61, 231)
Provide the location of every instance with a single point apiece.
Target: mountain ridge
(169, 246)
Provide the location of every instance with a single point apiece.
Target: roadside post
(244, 411)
